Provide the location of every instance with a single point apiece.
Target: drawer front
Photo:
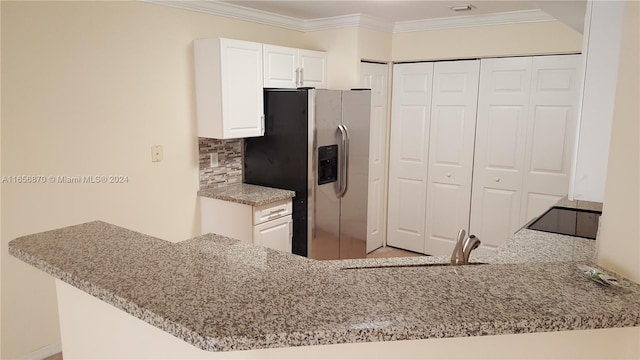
(271, 211)
(275, 234)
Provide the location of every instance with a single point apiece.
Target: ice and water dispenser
(327, 164)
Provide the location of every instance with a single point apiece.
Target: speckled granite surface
(247, 194)
(579, 204)
(221, 294)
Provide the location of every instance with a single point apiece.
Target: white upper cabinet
(313, 68)
(286, 67)
(228, 75)
(280, 67)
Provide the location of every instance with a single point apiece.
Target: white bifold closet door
(501, 136)
(551, 132)
(525, 135)
(408, 155)
(451, 146)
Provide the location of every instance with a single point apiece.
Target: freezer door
(324, 238)
(356, 114)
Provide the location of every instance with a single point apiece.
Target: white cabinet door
(313, 68)
(280, 66)
(451, 144)
(501, 134)
(275, 234)
(376, 78)
(286, 67)
(242, 100)
(228, 88)
(551, 132)
(408, 158)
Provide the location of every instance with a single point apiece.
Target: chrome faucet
(462, 250)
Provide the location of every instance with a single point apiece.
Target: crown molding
(338, 22)
(235, 12)
(511, 17)
(362, 20)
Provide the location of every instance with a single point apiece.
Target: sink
(407, 266)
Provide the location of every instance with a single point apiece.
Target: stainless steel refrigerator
(316, 143)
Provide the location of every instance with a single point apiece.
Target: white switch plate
(156, 153)
(214, 159)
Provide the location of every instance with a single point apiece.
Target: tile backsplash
(229, 169)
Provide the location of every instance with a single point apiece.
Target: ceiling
(571, 11)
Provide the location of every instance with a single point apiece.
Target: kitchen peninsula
(219, 295)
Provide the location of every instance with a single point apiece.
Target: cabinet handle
(497, 179)
(301, 76)
(262, 126)
(297, 77)
(275, 213)
(448, 175)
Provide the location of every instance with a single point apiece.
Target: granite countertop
(221, 294)
(247, 194)
(580, 204)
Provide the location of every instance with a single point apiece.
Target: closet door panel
(549, 147)
(451, 143)
(408, 158)
(501, 133)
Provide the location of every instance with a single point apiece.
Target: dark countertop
(220, 294)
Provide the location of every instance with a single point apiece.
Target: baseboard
(43, 352)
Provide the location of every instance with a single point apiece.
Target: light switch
(214, 159)
(156, 153)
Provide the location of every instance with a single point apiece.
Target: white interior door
(501, 133)
(408, 155)
(551, 132)
(451, 145)
(376, 78)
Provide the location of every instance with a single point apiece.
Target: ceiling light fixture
(461, 7)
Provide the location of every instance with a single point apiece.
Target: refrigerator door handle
(344, 166)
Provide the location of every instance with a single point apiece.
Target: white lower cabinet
(274, 234)
(267, 225)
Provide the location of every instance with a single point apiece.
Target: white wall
(601, 73)
(374, 45)
(619, 236)
(87, 89)
(551, 37)
(343, 62)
